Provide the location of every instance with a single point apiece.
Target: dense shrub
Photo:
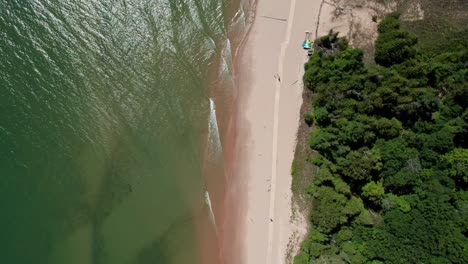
(392, 144)
(309, 118)
(393, 45)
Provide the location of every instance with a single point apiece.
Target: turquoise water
(105, 126)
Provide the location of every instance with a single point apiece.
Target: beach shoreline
(257, 224)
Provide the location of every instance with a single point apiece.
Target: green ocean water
(104, 117)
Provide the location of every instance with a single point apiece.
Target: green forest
(392, 149)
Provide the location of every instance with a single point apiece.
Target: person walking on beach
(277, 77)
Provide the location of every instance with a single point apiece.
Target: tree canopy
(393, 157)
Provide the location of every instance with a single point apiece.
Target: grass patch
(302, 169)
(444, 25)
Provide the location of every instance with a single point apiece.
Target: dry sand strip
(270, 74)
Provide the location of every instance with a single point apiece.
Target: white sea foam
(238, 22)
(225, 66)
(214, 147)
(210, 208)
(227, 53)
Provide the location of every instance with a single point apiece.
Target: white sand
(267, 123)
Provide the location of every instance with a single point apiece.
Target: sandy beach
(269, 77)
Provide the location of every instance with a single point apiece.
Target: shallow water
(106, 127)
